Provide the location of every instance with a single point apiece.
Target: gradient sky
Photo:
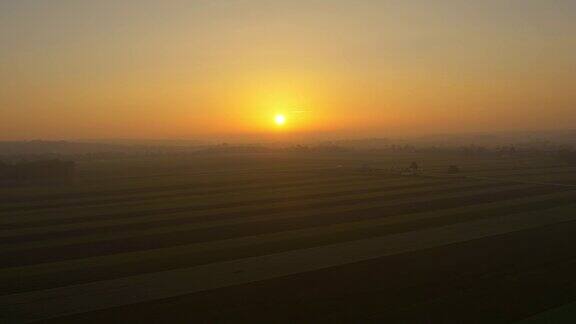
(183, 69)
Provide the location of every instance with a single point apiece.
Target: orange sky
(191, 69)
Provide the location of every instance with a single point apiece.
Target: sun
(280, 120)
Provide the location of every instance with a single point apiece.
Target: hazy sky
(180, 69)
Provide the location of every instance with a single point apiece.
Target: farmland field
(291, 236)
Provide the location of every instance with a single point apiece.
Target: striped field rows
(139, 228)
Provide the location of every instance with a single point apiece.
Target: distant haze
(78, 69)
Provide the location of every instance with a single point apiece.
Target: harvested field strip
(154, 187)
(170, 215)
(77, 189)
(80, 298)
(568, 179)
(530, 172)
(107, 268)
(417, 278)
(296, 167)
(39, 255)
(25, 221)
(258, 211)
(251, 213)
(542, 180)
(182, 182)
(556, 315)
(302, 208)
(481, 168)
(191, 171)
(176, 252)
(298, 197)
(199, 192)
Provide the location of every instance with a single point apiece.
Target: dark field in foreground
(290, 237)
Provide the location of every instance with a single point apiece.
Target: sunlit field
(217, 237)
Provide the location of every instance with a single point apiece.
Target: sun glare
(279, 120)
